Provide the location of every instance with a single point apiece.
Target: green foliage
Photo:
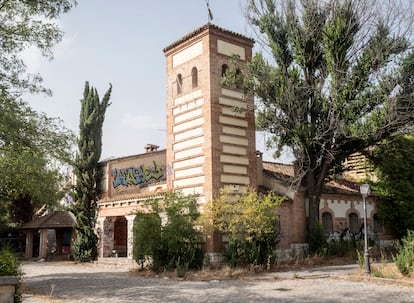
(405, 254)
(26, 24)
(394, 164)
(33, 148)
(319, 96)
(179, 243)
(317, 240)
(9, 263)
(147, 236)
(249, 221)
(88, 172)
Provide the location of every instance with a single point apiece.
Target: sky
(122, 42)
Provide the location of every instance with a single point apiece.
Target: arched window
(179, 84)
(354, 223)
(224, 69)
(377, 224)
(327, 223)
(194, 77)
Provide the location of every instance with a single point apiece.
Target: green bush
(10, 266)
(405, 254)
(317, 240)
(175, 245)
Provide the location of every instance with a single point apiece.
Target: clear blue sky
(121, 42)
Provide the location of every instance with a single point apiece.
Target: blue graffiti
(136, 175)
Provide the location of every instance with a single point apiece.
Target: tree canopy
(334, 77)
(24, 24)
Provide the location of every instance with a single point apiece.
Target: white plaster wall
(188, 106)
(233, 121)
(188, 143)
(188, 152)
(188, 172)
(188, 134)
(229, 149)
(188, 97)
(234, 131)
(232, 93)
(233, 169)
(187, 125)
(229, 49)
(233, 103)
(234, 140)
(189, 162)
(188, 115)
(234, 159)
(234, 179)
(187, 54)
(189, 181)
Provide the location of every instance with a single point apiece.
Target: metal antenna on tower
(210, 14)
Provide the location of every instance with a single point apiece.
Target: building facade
(210, 146)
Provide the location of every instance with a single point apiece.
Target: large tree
(334, 78)
(24, 24)
(87, 171)
(32, 146)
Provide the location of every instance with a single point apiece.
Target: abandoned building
(211, 146)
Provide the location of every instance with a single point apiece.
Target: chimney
(151, 148)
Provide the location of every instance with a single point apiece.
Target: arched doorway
(120, 236)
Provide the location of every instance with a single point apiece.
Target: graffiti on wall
(137, 175)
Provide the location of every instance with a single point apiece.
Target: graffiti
(136, 175)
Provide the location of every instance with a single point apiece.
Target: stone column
(100, 224)
(130, 235)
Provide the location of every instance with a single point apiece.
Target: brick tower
(210, 127)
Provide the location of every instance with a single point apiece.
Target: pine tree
(87, 171)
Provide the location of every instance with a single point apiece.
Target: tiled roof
(56, 219)
(284, 172)
(200, 30)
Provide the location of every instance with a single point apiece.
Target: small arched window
(354, 223)
(224, 69)
(194, 77)
(179, 84)
(327, 223)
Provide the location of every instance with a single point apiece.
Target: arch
(353, 223)
(194, 77)
(377, 224)
(120, 236)
(327, 222)
(179, 84)
(224, 69)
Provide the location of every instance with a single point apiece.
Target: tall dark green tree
(334, 78)
(87, 170)
(394, 165)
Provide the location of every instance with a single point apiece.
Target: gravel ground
(66, 282)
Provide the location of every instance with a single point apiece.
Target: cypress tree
(87, 171)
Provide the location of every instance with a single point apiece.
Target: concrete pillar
(130, 235)
(100, 225)
(29, 244)
(43, 243)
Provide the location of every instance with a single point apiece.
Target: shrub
(10, 266)
(405, 254)
(317, 240)
(175, 244)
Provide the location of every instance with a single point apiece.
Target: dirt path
(66, 282)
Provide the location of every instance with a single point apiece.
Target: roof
(56, 219)
(284, 173)
(203, 28)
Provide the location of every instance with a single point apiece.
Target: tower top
(208, 28)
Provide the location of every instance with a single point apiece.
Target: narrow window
(377, 224)
(224, 69)
(354, 223)
(194, 77)
(179, 84)
(327, 223)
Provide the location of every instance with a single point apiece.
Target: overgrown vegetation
(404, 259)
(10, 266)
(171, 240)
(249, 221)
